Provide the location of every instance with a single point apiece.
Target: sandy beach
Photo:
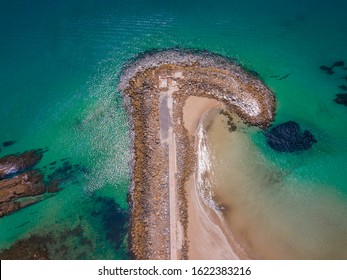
(208, 235)
(166, 95)
(205, 231)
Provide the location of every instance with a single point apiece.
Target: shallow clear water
(272, 211)
(59, 65)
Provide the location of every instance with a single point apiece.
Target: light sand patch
(193, 110)
(162, 82)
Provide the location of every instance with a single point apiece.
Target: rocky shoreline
(23, 184)
(20, 185)
(176, 74)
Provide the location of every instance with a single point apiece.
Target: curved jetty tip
(155, 88)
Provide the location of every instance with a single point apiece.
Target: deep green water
(59, 65)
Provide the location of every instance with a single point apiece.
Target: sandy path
(168, 137)
(172, 197)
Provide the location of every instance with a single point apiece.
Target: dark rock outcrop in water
(66, 172)
(73, 241)
(113, 219)
(32, 248)
(287, 137)
(20, 187)
(339, 63)
(329, 69)
(14, 164)
(55, 243)
(9, 143)
(26, 185)
(341, 99)
(279, 77)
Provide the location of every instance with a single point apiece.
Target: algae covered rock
(287, 137)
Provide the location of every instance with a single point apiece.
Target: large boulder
(287, 137)
(13, 164)
(25, 185)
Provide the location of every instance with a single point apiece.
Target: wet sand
(156, 87)
(207, 240)
(194, 109)
(271, 216)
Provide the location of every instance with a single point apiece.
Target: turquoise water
(59, 65)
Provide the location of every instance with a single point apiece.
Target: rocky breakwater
(171, 76)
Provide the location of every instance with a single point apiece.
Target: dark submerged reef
(231, 124)
(114, 220)
(62, 242)
(23, 183)
(287, 137)
(32, 248)
(279, 77)
(339, 63)
(48, 245)
(9, 143)
(341, 99)
(329, 69)
(66, 172)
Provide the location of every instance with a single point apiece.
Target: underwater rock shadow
(55, 243)
(343, 87)
(341, 99)
(278, 77)
(113, 218)
(9, 143)
(329, 69)
(74, 242)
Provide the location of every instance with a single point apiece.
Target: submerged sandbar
(155, 88)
